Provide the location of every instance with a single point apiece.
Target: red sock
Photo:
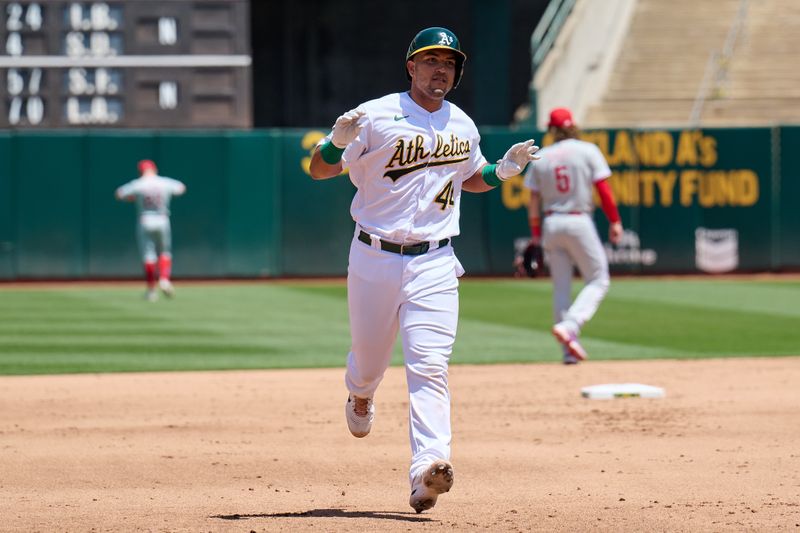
(150, 274)
(164, 267)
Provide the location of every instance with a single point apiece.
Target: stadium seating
(664, 61)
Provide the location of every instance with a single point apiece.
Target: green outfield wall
(713, 200)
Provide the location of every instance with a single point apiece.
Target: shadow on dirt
(330, 513)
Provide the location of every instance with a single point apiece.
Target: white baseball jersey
(565, 175)
(564, 178)
(408, 165)
(152, 194)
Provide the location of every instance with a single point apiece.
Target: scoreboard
(125, 63)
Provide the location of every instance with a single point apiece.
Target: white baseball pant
(417, 296)
(570, 240)
(154, 235)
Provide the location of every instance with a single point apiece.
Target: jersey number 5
(445, 196)
(562, 179)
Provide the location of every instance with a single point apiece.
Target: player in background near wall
(561, 189)
(152, 194)
(410, 156)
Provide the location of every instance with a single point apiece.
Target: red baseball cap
(146, 164)
(561, 117)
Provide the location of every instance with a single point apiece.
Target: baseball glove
(533, 260)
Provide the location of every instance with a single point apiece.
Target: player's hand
(347, 128)
(615, 232)
(516, 158)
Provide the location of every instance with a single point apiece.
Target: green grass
(265, 325)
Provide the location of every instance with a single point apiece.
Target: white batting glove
(516, 158)
(347, 128)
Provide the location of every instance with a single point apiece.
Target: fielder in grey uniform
(561, 189)
(152, 194)
(410, 155)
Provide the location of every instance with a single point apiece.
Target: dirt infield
(270, 451)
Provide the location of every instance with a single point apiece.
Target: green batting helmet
(442, 38)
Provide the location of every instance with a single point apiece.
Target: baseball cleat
(570, 359)
(426, 487)
(166, 287)
(570, 341)
(151, 295)
(360, 412)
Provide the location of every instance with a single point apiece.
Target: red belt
(548, 213)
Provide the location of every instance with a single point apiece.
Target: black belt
(402, 249)
(548, 213)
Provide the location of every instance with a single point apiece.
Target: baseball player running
(410, 156)
(561, 187)
(152, 194)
